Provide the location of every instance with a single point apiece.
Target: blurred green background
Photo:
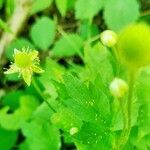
(58, 29)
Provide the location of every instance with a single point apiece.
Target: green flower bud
(73, 130)
(118, 88)
(134, 46)
(109, 38)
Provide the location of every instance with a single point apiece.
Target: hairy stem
(128, 113)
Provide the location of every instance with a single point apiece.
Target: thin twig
(15, 23)
(63, 33)
(145, 13)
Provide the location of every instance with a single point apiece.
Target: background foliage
(76, 78)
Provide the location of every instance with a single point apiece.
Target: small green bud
(134, 46)
(73, 130)
(109, 38)
(118, 87)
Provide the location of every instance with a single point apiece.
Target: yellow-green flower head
(25, 63)
(109, 38)
(134, 46)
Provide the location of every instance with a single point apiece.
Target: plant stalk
(60, 30)
(128, 113)
(34, 83)
(129, 102)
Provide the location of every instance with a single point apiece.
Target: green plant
(86, 74)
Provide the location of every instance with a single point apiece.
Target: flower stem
(124, 117)
(127, 114)
(125, 124)
(129, 102)
(92, 39)
(64, 34)
(34, 83)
